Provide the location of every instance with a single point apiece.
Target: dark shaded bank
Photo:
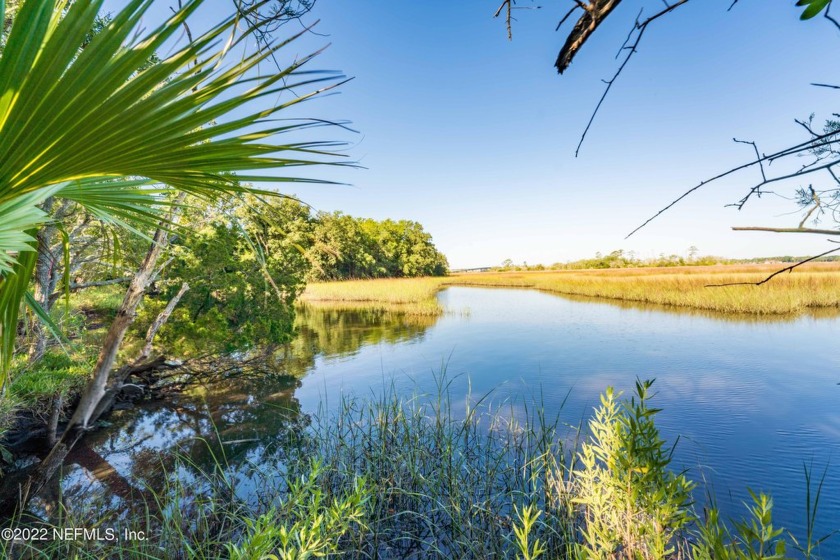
(247, 387)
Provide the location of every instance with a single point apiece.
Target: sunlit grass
(808, 288)
(411, 295)
(689, 287)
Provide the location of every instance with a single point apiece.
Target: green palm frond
(86, 115)
(18, 216)
(130, 204)
(70, 119)
(13, 287)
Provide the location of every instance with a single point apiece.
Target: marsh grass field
(807, 288)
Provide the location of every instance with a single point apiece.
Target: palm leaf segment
(73, 121)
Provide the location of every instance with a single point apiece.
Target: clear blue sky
(473, 136)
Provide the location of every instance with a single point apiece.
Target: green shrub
(630, 503)
(305, 525)
(754, 539)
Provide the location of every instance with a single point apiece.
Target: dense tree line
(348, 247)
(244, 261)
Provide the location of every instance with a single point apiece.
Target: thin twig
(786, 269)
(639, 28)
(829, 18)
(826, 139)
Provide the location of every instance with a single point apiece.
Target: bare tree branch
(787, 230)
(830, 18)
(585, 26)
(786, 269)
(822, 140)
(593, 15)
(159, 322)
(506, 5)
(568, 14)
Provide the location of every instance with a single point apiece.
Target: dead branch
(788, 230)
(593, 15)
(820, 141)
(506, 5)
(786, 269)
(159, 322)
(586, 25)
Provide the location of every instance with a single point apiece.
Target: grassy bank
(411, 295)
(411, 477)
(810, 287)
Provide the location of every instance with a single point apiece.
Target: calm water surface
(751, 400)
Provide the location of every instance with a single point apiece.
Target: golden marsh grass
(807, 288)
(407, 295)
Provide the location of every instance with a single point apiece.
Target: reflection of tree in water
(331, 332)
(245, 425)
(119, 468)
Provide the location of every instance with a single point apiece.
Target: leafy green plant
(754, 538)
(306, 525)
(630, 503)
(526, 520)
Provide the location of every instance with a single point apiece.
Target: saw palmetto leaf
(90, 120)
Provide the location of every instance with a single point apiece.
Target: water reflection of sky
(751, 401)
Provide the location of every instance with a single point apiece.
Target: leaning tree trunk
(15, 491)
(126, 314)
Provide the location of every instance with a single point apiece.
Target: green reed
(429, 476)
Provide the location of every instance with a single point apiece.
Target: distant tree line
(622, 259)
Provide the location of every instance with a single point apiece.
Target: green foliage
(306, 525)
(621, 259)
(526, 518)
(399, 477)
(812, 7)
(246, 263)
(245, 266)
(753, 539)
(345, 247)
(630, 502)
(56, 373)
(811, 542)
